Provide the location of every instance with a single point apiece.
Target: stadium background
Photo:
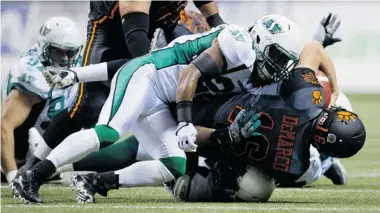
(357, 60)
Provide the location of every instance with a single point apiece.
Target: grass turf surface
(361, 194)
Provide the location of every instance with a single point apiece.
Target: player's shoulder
(236, 45)
(302, 89)
(26, 75)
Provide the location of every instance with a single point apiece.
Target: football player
(28, 99)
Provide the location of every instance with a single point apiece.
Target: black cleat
(336, 173)
(27, 186)
(86, 186)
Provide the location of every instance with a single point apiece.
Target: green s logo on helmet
(272, 26)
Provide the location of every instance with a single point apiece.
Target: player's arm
(14, 112)
(244, 127)
(135, 20)
(210, 11)
(315, 57)
(208, 63)
(62, 78)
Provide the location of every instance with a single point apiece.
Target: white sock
(42, 150)
(65, 168)
(144, 173)
(96, 72)
(11, 175)
(75, 147)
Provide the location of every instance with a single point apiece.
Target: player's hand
(64, 78)
(326, 30)
(187, 134)
(49, 73)
(244, 126)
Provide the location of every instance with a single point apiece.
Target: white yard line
(179, 207)
(283, 189)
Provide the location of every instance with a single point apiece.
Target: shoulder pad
(302, 90)
(26, 75)
(236, 46)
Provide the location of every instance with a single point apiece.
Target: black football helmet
(338, 133)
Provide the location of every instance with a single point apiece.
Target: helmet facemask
(275, 63)
(61, 56)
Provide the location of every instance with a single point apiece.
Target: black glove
(325, 31)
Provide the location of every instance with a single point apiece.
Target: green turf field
(361, 194)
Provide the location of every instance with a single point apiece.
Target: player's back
(287, 110)
(170, 60)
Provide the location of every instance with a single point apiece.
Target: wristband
(215, 20)
(184, 113)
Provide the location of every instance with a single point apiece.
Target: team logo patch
(272, 26)
(44, 30)
(317, 97)
(346, 116)
(331, 138)
(310, 77)
(238, 35)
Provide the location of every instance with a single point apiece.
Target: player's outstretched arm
(135, 20)
(210, 11)
(14, 112)
(315, 57)
(62, 78)
(208, 63)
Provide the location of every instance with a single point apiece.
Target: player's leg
(116, 156)
(156, 133)
(121, 109)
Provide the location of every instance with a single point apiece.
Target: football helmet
(276, 40)
(338, 133)
(59, 42)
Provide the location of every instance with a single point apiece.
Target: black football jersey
(287, 109)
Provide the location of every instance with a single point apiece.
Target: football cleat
(27, 187)
(336, 173)
(86, 186)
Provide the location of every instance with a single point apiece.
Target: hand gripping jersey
(236, 47)
(26, 76)
(288, 109)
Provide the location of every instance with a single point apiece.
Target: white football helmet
(277, 42)
(254, 185)
(59, 42)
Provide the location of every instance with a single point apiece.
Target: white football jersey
(236, 46)
(26, 76)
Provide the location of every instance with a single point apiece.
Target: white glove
(187, 134)
(60, 78)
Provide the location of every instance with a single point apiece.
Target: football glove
(325, 31)
(244, 126)
(186, 134)
(63, 78)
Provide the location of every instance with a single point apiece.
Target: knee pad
(176, 165)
